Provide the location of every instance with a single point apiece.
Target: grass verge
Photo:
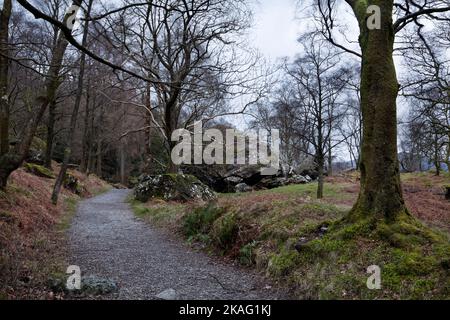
(306, 244)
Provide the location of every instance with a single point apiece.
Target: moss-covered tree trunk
(381, 193)
(320, 179)
(171, 114)
(50, 134)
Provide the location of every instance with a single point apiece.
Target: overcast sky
(275, 28)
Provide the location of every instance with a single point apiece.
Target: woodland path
(108, 241)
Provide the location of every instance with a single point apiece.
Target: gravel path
(107, 241)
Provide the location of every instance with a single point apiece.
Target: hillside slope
(32, 237)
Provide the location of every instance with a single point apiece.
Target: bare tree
(74, 116)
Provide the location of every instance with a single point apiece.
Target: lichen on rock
(172, 187)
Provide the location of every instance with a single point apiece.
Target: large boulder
(234, 178)
(212, 176)
(172, 187)
(250, 174)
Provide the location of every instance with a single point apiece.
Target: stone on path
(168, 294)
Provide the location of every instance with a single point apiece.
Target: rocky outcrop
(244, 178)
(248, 178)
(172, 187)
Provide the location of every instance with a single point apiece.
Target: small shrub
(247, 255)
(200, 220)
(281, 264)
(225, 231)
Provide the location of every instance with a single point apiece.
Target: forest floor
(261, 229)
(33, 231)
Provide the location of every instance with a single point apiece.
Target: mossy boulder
(172, 187)
(36, 153)
(39, 170)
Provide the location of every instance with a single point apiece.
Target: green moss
(38, 170)
(351, 231)
(281, 264)
(407, 233)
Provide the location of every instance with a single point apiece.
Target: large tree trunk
(99, 157)
(381, 193)
(320, 180)
(330, 158)
(123, 179)
(436, 156)
(74, 116)
(50, 134)
(170, 122)
(84, 139)
(148, 131)
(5, 16)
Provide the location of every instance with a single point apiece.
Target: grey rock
(298, 179)
(243, 187)
(172, 187)
(169, 294)
(234, 180)
(98, 286)
(300, 243)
